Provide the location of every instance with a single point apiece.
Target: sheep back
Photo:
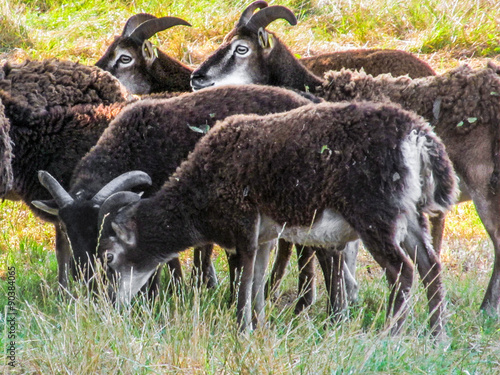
(155, 135)
(295, 164)
(40, 85)
(372, 61)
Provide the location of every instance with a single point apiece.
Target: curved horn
(267, 15)
(115, 202)
(60, 195)
(135, 21)
(149, 28)
(248, 12)
(123, 182)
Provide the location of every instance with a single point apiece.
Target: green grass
(194, 332)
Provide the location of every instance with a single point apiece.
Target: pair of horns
(123, 182)
(143, 26)
(264, 16)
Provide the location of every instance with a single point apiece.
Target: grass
(194, 331)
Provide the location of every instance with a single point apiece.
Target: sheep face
(129, 62)
(240, 61)
(131, 56)
(245, 58)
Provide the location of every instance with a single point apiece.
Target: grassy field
(194, 332)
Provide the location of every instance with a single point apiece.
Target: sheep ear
(266, 40)
(126, 235)
(148, 52)
(49, 206)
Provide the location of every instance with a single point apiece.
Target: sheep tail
(439, 181)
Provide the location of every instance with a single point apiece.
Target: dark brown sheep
(463, 106)
(317, 175)
(153, 135)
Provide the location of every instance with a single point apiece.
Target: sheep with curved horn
(140, 67)
(461, 104)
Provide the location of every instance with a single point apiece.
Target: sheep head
(241, 59)
(131, 55)
(79, 212)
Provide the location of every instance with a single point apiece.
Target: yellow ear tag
(270, 41)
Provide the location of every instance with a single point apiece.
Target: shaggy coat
(372, 61)
(5, 153)
(57, 111)
(373, 170)
(155, 135)
(463, 106)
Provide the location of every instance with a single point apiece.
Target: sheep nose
(200, 81)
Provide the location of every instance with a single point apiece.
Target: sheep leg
(437, 230)
(488, 210)
(203, 268)
(234, 265)
(247, 249)
(305, 259)
(399, 273)
(283, 254)
(258, 285)
(175, 272)
(63, 255)
(332, 264)
(418, 245)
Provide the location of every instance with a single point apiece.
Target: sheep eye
(109, 257)
(242, 50)
(124, 59)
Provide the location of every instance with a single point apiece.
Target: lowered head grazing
(251, 54)
(139, 66)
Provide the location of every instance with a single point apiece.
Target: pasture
(194, 331)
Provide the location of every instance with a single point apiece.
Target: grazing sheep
(463, 106)
(5, 153)
(57, 111)
(153, 135)
(139, 66)
(319, 175)
(372, 61)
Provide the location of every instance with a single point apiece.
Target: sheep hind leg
(399, 274)
(489, 212)
(417, 243)
(283, 254)
(203, 268)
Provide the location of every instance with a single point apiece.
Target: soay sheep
(57, 111)
(320, 175)
(153, 135)
(138, 65)
(463, 106)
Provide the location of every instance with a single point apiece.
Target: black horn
(149, 28)
(60, 195)
(126, 181)
(114, 203)
(267, 15)
(134, 21)
(249, 11)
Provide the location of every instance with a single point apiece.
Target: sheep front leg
(332, 265)
(63, 255)
(258, 295)
(203, 268)
(305, 260)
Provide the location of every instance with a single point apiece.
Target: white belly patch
(329, 230)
